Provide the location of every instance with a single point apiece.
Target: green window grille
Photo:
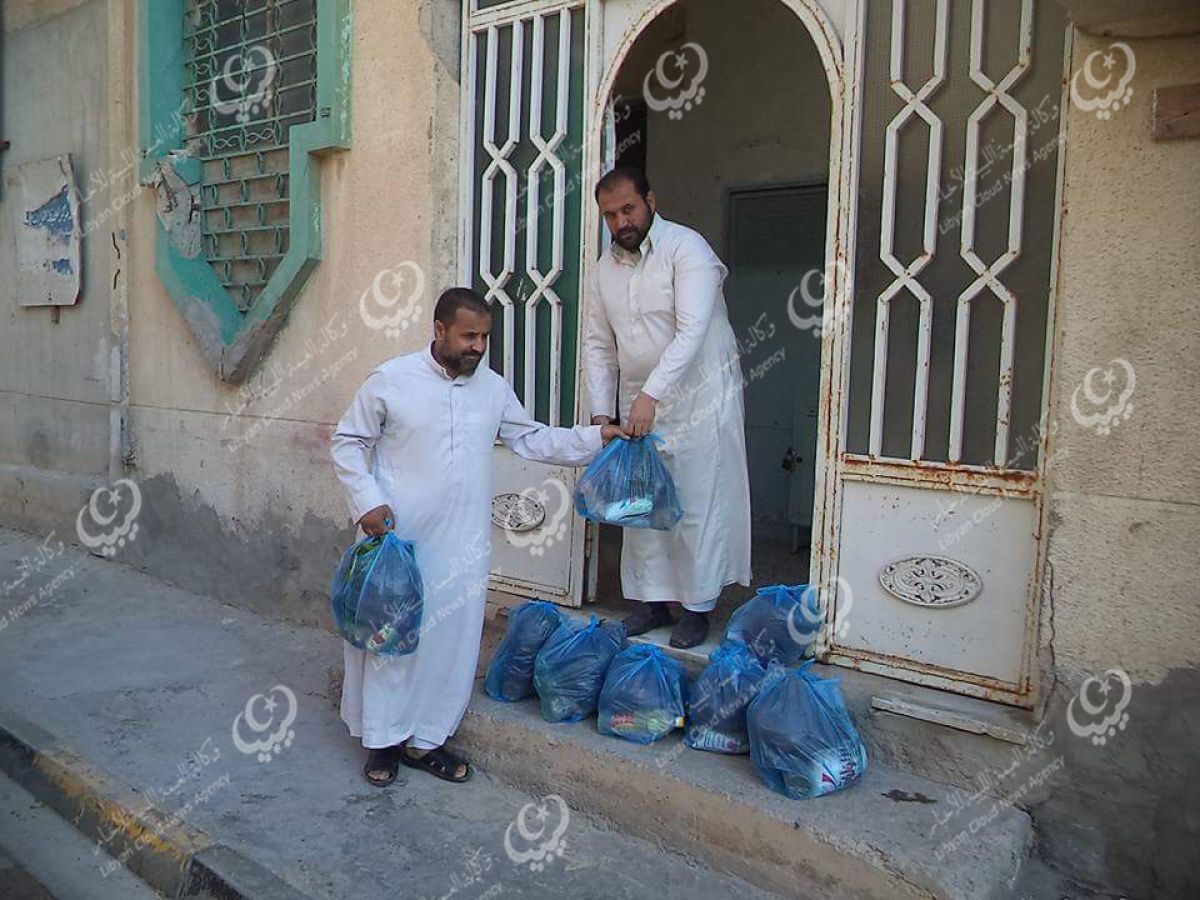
(236, 98)
(251, 75)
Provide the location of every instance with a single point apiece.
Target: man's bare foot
(382, 765)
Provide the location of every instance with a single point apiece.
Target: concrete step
(881, 838)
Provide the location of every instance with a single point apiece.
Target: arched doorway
(735, 116)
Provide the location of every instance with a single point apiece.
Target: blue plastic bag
(629, 485)
(802, 741)
(569, 670)
(779, 623)
(377, 596)
(510, 674)
(716, 716)
(643, 698)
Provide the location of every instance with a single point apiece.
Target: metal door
(523, 72)
(956, 113)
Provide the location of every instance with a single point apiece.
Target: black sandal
(385, 759)
(440, 762)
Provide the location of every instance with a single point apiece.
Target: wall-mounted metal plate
(517, 512)
(935, 582)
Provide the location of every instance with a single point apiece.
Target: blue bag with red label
(802, 742)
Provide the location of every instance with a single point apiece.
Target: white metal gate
(955, 113)
(521, 214)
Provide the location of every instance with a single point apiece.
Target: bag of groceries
(779, 623)
(802, 741)
(716, 716)
(628, 485)
(510, 675)
(569, 670)
(377, 596)
(643, 695)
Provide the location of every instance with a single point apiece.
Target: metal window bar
(250, 74)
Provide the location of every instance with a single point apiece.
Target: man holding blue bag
(659, 350)
(414, 453)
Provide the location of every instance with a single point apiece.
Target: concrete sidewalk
(125, 707)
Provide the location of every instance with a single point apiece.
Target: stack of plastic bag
(629, 485)
(510, 675)
(779, 623)
(802, 741)
(643, 695)
(377, 596)
(570, 668)
(716, 716)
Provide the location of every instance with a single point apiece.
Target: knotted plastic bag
(569, 670)
(802, 742)
(716, 717)
(643, 695)
(779, 623)
(377, 596)
(629, 485)
(510, 675)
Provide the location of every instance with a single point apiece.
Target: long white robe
(421, 442)
(657, 323)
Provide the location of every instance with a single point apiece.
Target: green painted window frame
(235, 341)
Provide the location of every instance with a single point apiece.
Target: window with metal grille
(251, 74)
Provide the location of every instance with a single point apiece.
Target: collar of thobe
(632, 257)
(437, 367)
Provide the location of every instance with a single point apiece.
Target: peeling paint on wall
(46, 207)
(178, 205)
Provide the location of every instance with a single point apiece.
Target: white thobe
(657, 323)
(421, 441)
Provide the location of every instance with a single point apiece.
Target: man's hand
(378, 521)
(601, 420)
(609, 431)
(641, 415)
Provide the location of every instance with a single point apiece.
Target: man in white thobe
(414, 453)
(659, 350)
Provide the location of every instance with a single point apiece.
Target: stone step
(890, 835)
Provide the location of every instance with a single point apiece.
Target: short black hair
(456, 298)
(632, 174)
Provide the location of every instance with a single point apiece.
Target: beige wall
(54, 376)
(270, 460)
(1124, 508)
